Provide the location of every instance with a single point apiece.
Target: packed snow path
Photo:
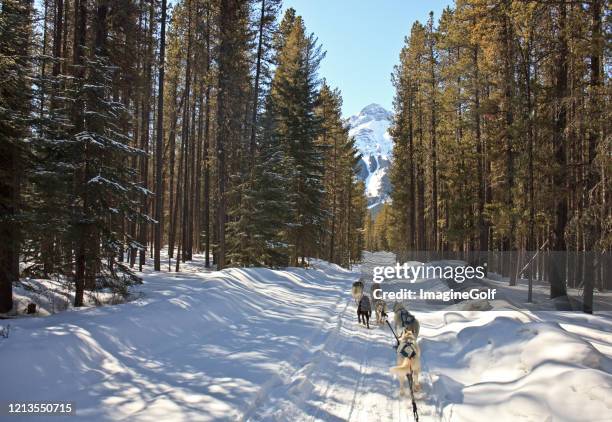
(263, 345)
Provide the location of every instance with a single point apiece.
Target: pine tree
(342, 204)
(331, 139)
(232, 71)
(293, 97)
(250, 244)
(266, 27)
(15, 39)
(259, 235)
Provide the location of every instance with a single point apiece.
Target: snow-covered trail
(239, 344)
(263, 345)
(346, 378)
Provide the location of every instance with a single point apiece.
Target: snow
(508, 366)
(284, 345)
(99, 179)
(374, 183)
(372, 138)
(52, 296)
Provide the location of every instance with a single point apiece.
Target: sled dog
(381, 311)
(403, 319)
(375, 286)
(408, 361)
(357, 290)
(364, 311)
(379, 305)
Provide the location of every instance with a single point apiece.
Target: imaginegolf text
(445, 296)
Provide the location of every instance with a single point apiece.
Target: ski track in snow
(257, 345)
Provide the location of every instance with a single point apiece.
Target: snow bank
(52, 296)
(506, 367)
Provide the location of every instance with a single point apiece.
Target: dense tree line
(501, 135)
(201, 126)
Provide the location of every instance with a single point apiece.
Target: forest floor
(266, 345)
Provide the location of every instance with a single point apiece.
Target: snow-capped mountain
(370, 128)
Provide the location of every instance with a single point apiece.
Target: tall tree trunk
(481, 169)
(57, 36)
(227, 23)
(349, 245)
(9, 232)
(332, 239)
(180, 202)
(159, 144)
(593, 142)
(185, 143)
(557, 269)
(43, 65)
(433, 132)
(192, 178)
(65, 64)
(80, 37)
(421, 185)
(252, 144)
(197, 175)
(412, 208)
(531, 241)
(48, 243)
(206, 219)
(144, 133)
(172, 208)
(508, 72)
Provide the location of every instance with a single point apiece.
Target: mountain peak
(375, 112)
(370, 128)
(372, 108)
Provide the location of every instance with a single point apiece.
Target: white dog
(408, 361)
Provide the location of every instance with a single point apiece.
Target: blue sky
(363, 39)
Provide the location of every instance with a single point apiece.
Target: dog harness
(407, 350)
(364, 304)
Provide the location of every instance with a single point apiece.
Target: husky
(379, 305)
(408, 361)
(357, 291)
(405, 320)
(364, 311)
(381, 311)
(375, 286)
